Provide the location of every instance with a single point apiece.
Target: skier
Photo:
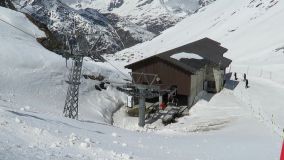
(235, 74)
(247, 83)
(245, 76)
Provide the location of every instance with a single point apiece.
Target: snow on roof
(181, 55)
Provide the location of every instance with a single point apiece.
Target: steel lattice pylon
(71, 102)
(74, 43)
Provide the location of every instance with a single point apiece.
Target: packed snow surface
(235, 124)
(185, 55)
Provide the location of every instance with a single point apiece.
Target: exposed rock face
(152, 15)
(205, 2)
(61, 20)
(129, 33)
(58, 20)
(52, 40)
(7, 4)
(157, 25)
(115, 4)
(122, 23)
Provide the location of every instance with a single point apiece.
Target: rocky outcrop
(129, 33)
(115, 4)
(58, 21)
(52, 41)
(7, 4)
(204, 3)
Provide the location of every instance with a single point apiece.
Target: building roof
(211, 52)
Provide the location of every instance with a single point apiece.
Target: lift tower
(71, 102)
(72, 98)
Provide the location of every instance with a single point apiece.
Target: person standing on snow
(245, 77)
(247, 83)
(235, 74)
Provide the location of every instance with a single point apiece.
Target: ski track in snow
(263, 97)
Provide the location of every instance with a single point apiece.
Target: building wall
(197, 83)
(213, 73)
(168, 73)
(219, 79)
(188, 85)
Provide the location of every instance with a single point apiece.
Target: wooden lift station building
(194, 67)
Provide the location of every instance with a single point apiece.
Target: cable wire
(18, 28)
(112, 82)
(36, 37)
(112, 66)
(117, 69)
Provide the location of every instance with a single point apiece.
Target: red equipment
(163, 106)
(282, 152)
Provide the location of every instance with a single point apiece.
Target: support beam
(71, 102)
(141, 108)
(160, 100)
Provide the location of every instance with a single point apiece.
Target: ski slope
(252, 34)
(231, 125)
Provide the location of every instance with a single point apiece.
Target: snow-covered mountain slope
(251, 30)
(153, 15)
(34, 77)
(253, 33)
(60, 19)
(32, 94)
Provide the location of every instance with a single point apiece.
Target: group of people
(245, 79)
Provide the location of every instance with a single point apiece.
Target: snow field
(263, 98)
(30, 138)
